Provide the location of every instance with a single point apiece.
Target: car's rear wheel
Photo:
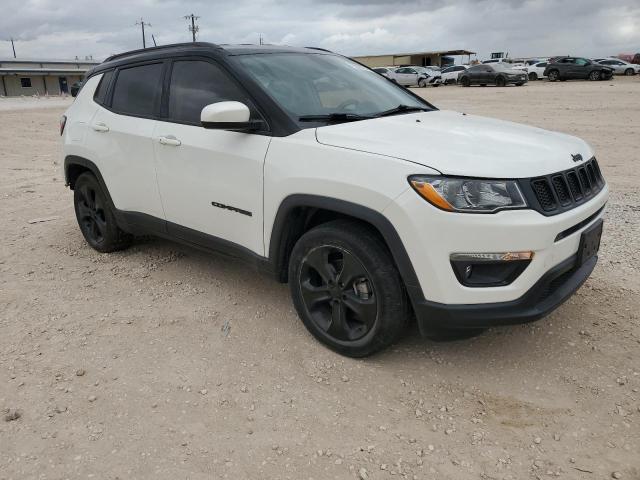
(465, 82)
(346, 288)
(629, 72)
(500, 82)
(95, 216)
(595, 75)
(553, 75)
(533, 76)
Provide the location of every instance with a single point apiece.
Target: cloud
(44, 28)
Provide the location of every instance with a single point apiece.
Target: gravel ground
(163, 362)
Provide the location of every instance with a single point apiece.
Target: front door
(210, 181)
(64, 88)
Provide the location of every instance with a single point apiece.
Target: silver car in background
(620, 67)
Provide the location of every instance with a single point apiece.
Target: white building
(40, 77)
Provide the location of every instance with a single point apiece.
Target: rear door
(121, 133)
(211, 181)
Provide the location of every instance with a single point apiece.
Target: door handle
(100, 127)
(170, 140)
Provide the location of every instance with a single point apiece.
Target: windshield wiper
(402, 109)
(334, 117)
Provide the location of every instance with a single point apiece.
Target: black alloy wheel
(533, 76)
(595, 75)
(95, 216)
(553, 75)
(91, 216)
(500, 82)
(338, 293)
(346, 288)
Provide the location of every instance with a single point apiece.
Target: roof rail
(319, 48)
(160, 47)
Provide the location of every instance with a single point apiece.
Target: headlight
(469, 194)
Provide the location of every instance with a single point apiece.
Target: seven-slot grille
(565, 190)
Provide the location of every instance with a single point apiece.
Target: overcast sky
(64, 29)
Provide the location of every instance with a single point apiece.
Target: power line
(193, 28)
(143, 24)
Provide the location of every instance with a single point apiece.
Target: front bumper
(553, 289)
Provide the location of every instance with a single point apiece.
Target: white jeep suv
(375, 206)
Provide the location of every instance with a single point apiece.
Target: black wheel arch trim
(278, 244)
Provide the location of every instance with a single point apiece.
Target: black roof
(165, 51)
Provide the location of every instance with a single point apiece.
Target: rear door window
(138, 90)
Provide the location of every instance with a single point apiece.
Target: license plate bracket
(590, 242)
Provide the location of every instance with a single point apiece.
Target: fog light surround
(489, 269)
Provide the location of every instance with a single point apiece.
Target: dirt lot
(162, 362)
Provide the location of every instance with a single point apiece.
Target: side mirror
(227, 116)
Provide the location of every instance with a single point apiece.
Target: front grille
(565, 190)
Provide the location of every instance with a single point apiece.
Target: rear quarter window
(100, 94)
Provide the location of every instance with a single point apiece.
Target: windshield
(308, 85)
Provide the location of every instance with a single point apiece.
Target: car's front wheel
(629, 72)
(533, 76)
(595, 75)
(346, 288)
(95, 216)
(422, 83)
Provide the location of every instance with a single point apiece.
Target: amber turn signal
(430, 194)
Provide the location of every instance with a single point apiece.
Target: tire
(595, 75)
(422, 83)
(553, 75)
(519, 84)
(95, 216)
(629, 72)
(501, 82)
(464, 81)
(347, 289)
(533, 76)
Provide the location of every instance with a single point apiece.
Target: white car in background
(414, 76)
(386, 72)
(536, 71)
(620, 67)
(450, 74)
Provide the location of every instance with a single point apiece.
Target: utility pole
(261, 42)
(143, 24)
(14, 48)
(154, 40)
(193, 28)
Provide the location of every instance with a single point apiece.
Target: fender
(278, 242)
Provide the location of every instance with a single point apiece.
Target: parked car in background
(576, 68)
(620, 67)
(416, 77)
(536, 71)
(75, 88)
(450, 74)
(386, 72)
(498, 74)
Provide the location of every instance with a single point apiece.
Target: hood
(459, 144)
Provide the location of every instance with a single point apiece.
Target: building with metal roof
(438, 58)
(40, 76)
